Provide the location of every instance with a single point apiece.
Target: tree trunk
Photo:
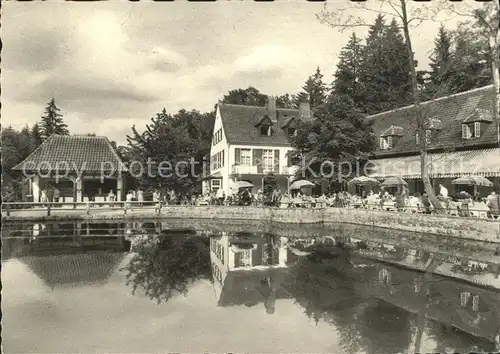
(494, 39)
(438, 206)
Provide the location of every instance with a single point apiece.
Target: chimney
(304, 110)
(271, 108)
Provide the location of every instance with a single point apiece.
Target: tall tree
(384, 73)
(486, 17)
(347, 75)
(286, 101)
(52, 121)
(180, 142)
(335, 142)
(314, 91)
(441, 64)
(399, 12)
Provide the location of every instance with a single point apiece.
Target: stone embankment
(463, 228)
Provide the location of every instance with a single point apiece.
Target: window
(216, 184)
(383, 143)
(390, 142)
(292, 132)
(477, 129)
(265, 130)
(417, 139)
(246, 157)
(466, 133)
(428, 136)
(267, 159)
(246, 255)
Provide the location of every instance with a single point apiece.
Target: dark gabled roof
(288, 121)
(480, 115)
(85, 153)
(264, 120)
(239, 124)
(451, 111)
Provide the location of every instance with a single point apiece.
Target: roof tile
(78, 152)
(451, 111)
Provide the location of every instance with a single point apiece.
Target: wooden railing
(88, 206)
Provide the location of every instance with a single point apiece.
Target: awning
(216, 175)
(485, 162)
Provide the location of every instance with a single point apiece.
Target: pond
(188, 286)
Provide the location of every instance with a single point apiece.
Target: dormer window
(265, 130)
(389, 137)
(291, 132)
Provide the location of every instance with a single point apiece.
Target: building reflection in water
(365, 289)
(249, 269)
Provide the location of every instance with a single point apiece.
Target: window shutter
(289, 159)
(465, 131)
(257, 159)
(382, 143)
(477, 129)
(417, 139)
(222, 159)
(390, 142)
(237, 156)
(276, 161)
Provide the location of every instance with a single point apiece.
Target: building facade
(80, 166)
(250, 143)
(460, 134)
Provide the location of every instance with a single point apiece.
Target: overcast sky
(112, 65)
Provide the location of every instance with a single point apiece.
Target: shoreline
(485, 230)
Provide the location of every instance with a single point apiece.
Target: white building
(240, 263)
(250, 142)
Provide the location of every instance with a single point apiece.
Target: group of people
(50, 194)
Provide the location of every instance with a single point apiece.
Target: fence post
(48, 209)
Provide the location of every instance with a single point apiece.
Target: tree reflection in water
(168, 264)
(331, 288)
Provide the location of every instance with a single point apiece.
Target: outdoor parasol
(473, 181)
(242, 184)
(300, 184)
(394, 182)
(364, 181)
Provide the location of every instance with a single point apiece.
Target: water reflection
(168, 263)
(364, 289)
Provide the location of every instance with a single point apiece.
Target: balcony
(245, 170)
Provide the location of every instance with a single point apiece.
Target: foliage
(16, 146)
(385, 73)
(246, 97)
(347, 75)
(181, 141)
(253, 97)
(168, 265)
(313, 91)
(339, 134)
(52, 121)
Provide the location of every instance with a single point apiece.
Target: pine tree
(35, 134)
(385, 73)
(441, 62)
(314, 91)
(471, 66)
(346, 81)
(52, 122)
